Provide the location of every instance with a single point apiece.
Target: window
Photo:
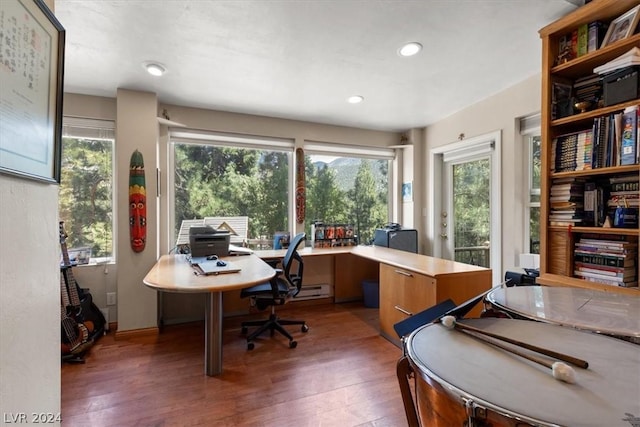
(86, 191)
(228, 175)
(347, 185)
(221, 175)
(530, 129)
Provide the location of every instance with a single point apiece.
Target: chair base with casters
(273, 324)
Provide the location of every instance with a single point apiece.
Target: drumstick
(560, 370)
(450, 322)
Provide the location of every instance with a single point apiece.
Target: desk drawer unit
(402, 293)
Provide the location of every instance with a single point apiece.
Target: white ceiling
(302, 59)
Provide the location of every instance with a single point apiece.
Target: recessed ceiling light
(410, 49)
(355, 99)
(154, 68)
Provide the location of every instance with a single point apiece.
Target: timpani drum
(592, 310)
(461, 380)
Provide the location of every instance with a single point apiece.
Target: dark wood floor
(341, 374)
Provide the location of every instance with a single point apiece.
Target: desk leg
(213, 334)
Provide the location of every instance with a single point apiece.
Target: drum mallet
(561, 371)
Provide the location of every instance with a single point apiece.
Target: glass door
(466, 221)
(466, 216)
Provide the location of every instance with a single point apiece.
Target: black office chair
(285, 285)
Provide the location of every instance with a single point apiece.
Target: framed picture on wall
(32, 66)
(407, 191)
(622, 27)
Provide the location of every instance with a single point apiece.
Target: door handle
(444, 236)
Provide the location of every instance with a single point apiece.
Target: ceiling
(302, 59)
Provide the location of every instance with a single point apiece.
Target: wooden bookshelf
(558, 242)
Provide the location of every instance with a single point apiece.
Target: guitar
(74, 306)
(74, 334)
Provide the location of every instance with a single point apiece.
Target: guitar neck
(64, 296)
(71, 281)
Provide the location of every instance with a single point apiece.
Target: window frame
(229, 140)
(530, 128)
(312, 147)
(96, 129)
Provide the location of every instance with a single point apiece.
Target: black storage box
(621, 86)
(397, 238)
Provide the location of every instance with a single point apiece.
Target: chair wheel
(245, 330)
(293, 344)
(250, 346)
(304, 328)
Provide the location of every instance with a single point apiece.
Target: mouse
(212, 257)
(221, 263)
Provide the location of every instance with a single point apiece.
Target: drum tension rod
(476, 414)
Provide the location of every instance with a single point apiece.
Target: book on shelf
(625, 273)
(606, 260)
(583, 40)
(609, 245)
(629, 142)
(604, 281)
(593, 204)
(595, 34)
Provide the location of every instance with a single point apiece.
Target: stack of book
(588, 89)
(566, 202)
(607, 259)
(630, 58)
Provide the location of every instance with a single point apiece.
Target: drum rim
(604, 331)
(453, 390)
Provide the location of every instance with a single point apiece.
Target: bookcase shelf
(584, 120)
(596, 230)
(558, 242)
(615, 170)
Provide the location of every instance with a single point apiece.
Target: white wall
(30, 296)
(500, 112)
(136, 129)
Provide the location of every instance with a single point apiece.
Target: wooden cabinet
(558, 241)
(404, 291)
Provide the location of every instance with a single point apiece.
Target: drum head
(605, 394)
(597, 311)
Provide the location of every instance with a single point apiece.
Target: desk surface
(173, 273)
(416, 263)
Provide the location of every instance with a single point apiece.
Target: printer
(205, 241)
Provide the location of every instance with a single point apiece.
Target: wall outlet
(111, 298)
